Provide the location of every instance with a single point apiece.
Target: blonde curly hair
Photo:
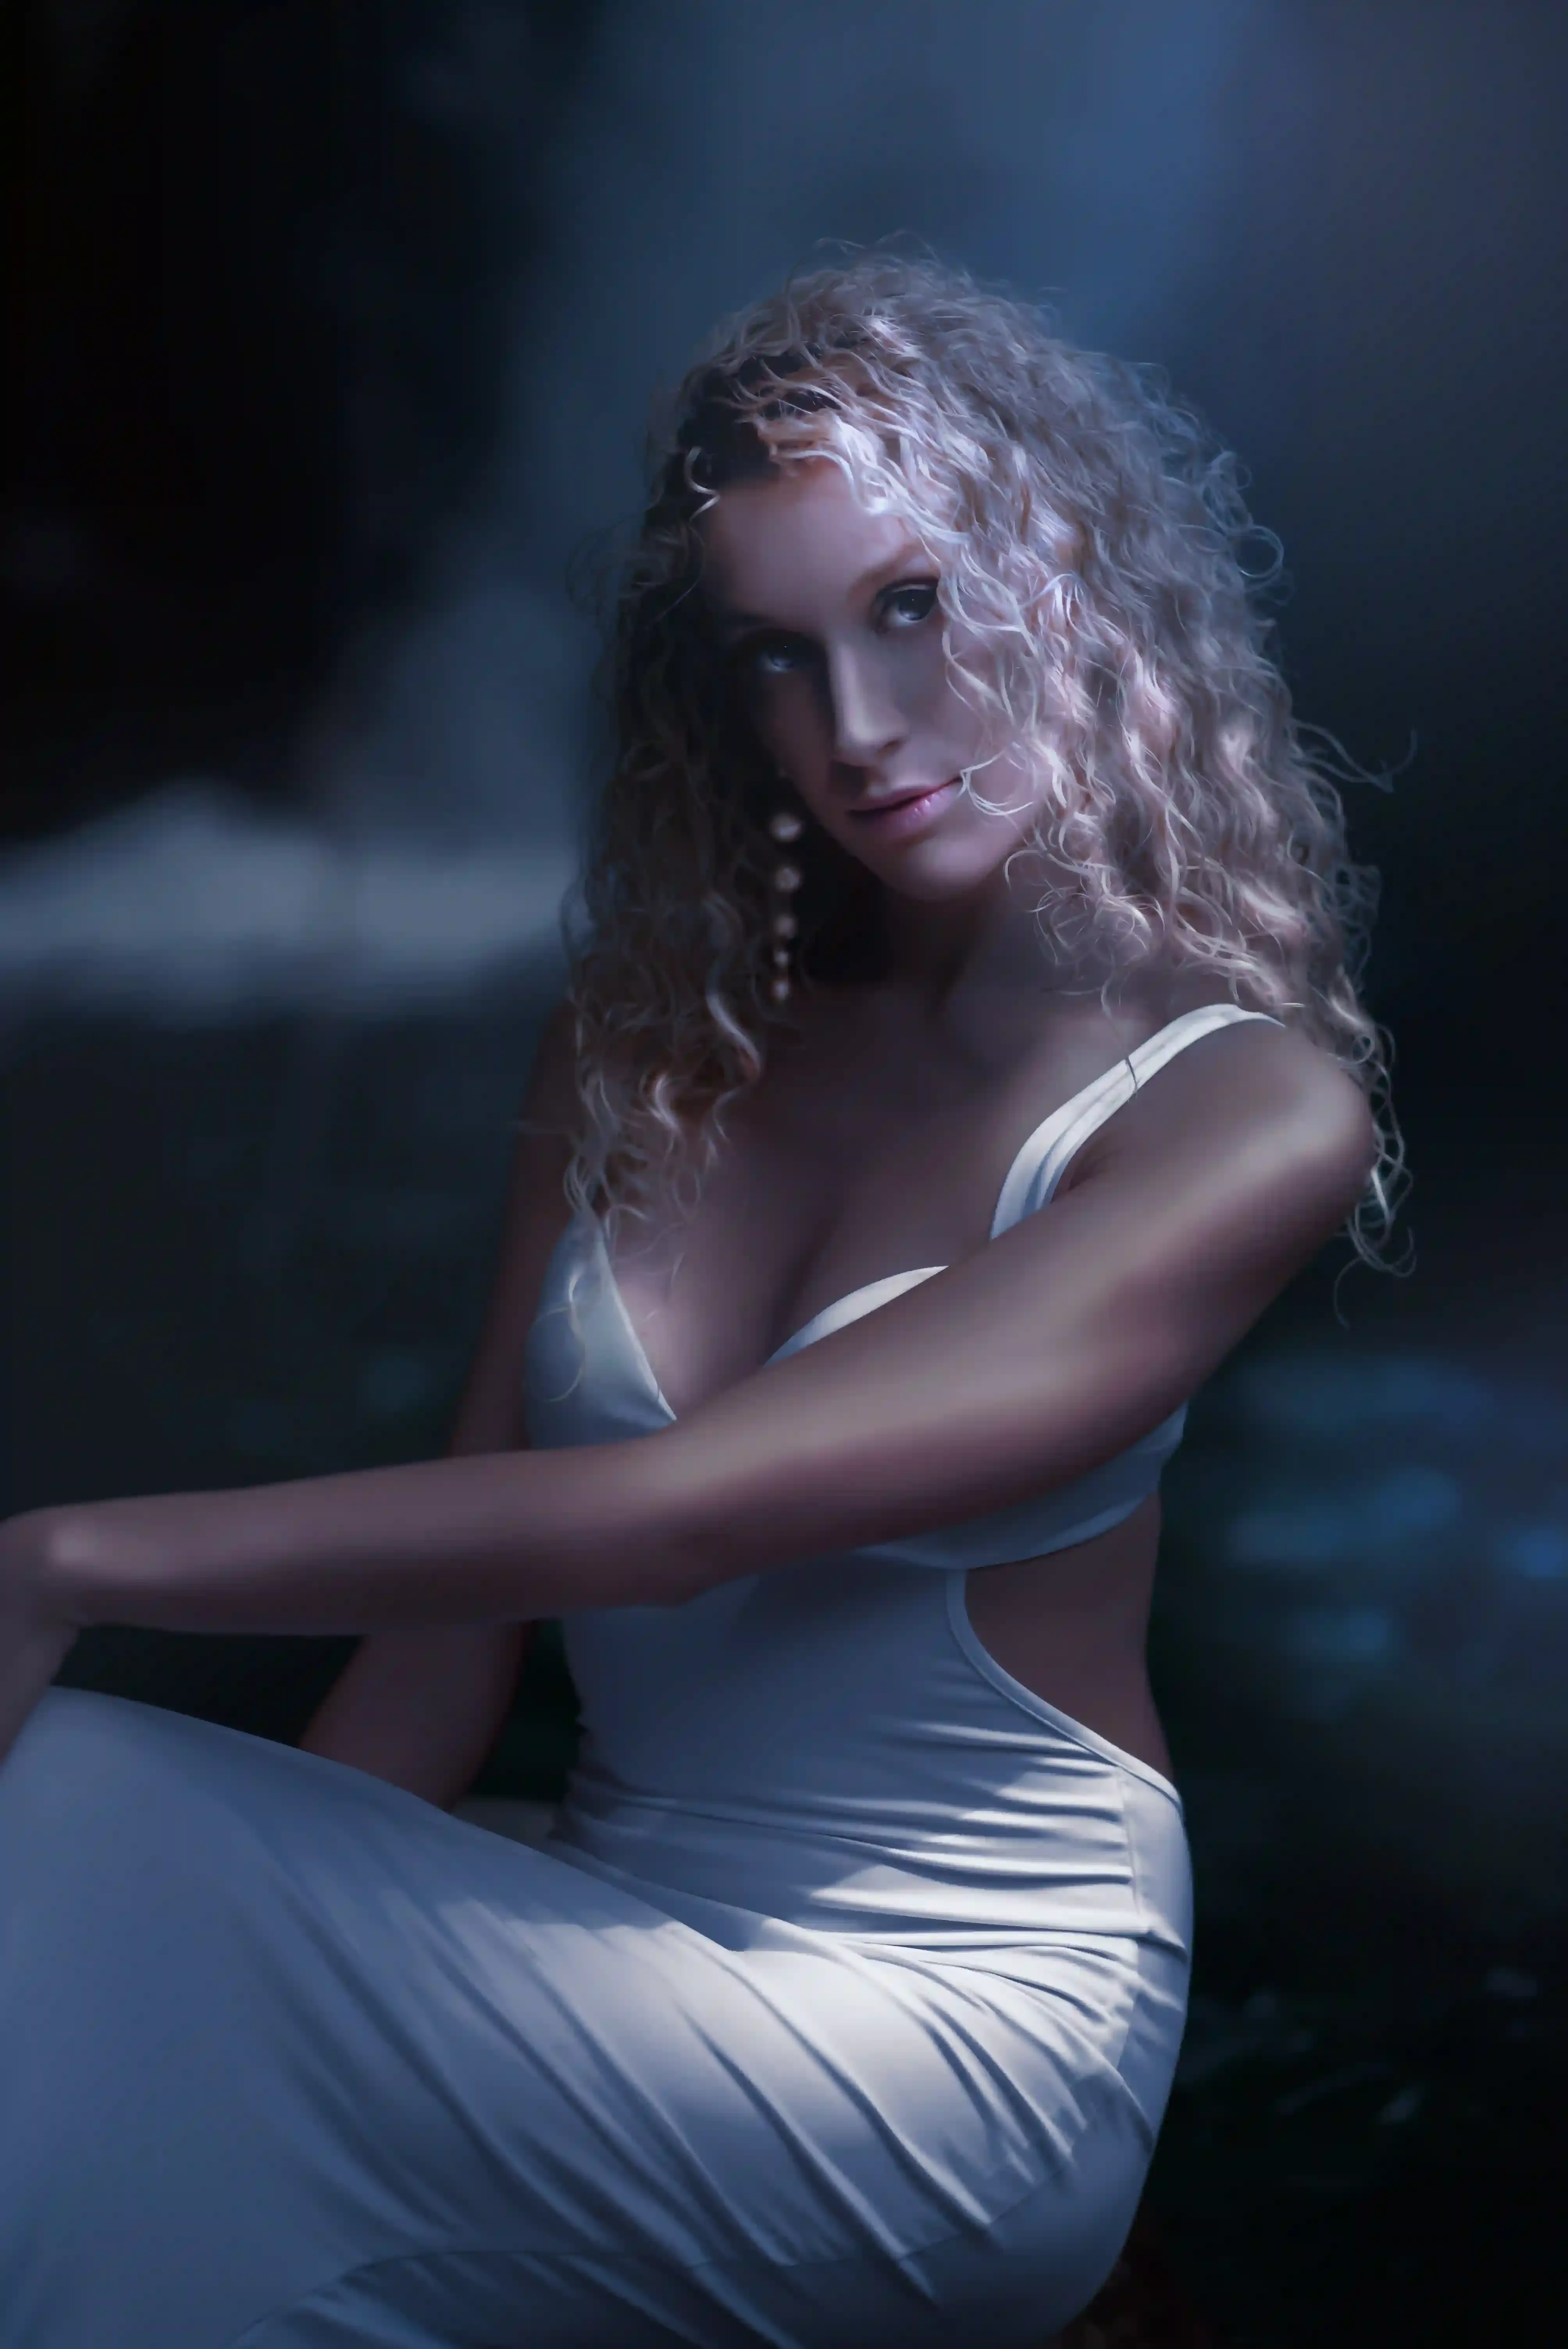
(1087, 532)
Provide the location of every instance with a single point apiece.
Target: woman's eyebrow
(735, 623)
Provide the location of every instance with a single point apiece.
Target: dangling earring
(785, 880)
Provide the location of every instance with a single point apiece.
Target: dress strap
(1041, 1163)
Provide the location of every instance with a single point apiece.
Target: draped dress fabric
(841, 2006)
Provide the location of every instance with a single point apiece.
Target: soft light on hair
(1088, 533)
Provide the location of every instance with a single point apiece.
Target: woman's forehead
(802, 532)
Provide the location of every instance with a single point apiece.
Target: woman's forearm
(422, 1708)
(497, 1538)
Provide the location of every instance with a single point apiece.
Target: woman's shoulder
(1256, 1085)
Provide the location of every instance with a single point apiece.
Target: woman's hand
(33, 1643)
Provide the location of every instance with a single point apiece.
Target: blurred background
(339, 332)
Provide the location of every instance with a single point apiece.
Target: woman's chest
(787, 1224)
(868, 1149)
(829, 1179)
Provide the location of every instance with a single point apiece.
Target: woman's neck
(944, 960)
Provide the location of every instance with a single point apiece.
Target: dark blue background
(340, 329)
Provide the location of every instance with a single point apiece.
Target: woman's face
(828, 621)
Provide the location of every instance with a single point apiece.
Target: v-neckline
(1043, 1136)
(894, 1282)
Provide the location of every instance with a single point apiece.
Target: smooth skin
(876, 1141)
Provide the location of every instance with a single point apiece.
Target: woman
(960, 857)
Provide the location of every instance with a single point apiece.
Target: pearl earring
(786, 879)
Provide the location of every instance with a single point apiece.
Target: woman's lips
(908, 815)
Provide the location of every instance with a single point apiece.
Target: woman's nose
(868, 720)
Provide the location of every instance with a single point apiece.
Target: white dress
(840, 2007)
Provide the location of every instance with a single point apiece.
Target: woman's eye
(766, 657)
(911, 605)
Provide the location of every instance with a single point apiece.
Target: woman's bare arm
(1062, 1342)
(1014, 1372)
(422, 1706)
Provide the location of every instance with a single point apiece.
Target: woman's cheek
(790, 732)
